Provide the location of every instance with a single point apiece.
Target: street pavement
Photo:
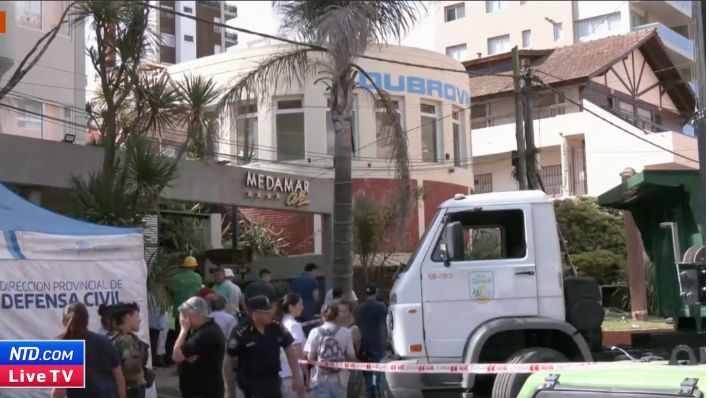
(167, 383)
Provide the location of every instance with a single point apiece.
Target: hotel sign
(295, 192)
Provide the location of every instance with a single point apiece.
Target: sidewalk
(167, 383)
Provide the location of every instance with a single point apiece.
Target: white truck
(486, 285)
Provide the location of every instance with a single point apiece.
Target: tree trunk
(341, 111)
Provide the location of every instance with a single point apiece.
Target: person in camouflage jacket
(132, 352)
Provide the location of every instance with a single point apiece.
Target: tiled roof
(578, 61)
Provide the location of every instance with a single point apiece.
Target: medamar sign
(295, 191)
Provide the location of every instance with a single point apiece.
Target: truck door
(495, 278)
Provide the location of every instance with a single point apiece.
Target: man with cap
(254, 348)
(224, 286)
(372, 326)
(185, 283)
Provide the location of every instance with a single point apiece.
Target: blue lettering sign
(415, 85)
(434, 85)
(365, 83)
(400, 86)
(449, 92)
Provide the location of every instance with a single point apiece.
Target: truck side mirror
(454, 241)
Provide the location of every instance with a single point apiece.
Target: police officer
(254, 348)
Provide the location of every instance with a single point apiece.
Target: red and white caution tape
(461, 368)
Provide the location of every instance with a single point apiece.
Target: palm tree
(337, 33)
(133, 106)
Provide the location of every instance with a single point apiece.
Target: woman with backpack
(329, 343)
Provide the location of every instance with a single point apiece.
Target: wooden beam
(648, 89)
(620, 79)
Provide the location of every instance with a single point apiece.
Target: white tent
(48, 261)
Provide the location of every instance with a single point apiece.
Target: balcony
(677, 44)
(539, 113)
(230, 11)
(231, 38)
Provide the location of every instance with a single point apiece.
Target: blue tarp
(18, 214)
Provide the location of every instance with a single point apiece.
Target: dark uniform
(258, 358)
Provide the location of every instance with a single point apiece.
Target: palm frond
(103, 199)
(161, 270)
(148, 171)
(395, 138)
(199, 97)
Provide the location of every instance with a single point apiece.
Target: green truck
(629, 380)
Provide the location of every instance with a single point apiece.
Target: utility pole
(698, 10)
(519, 132)
(531, 149)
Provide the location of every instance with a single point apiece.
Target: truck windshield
(423, 239)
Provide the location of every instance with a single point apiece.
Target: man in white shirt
(325, 381)
(217, 305)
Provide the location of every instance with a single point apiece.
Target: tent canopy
(28, 231)
(18, 214)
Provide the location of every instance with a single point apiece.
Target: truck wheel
(508, 385)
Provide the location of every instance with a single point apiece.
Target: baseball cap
(371, 289)
(228, 273)
(259, 303)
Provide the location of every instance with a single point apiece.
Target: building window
(527, 38)
(31, 117)
(52, 15)
(483, 183)
(383, 121)
(499, 44)
(460, 144)
(552, 179)
(246, 132)
(167, 39)
(596, 27)
(479, 116)
(492, 6)
(29, 14)
(558, 31)
(167, 14)
(187, 10)
(290, 129)
(637, 19)
(217, 28)
(68, 116)
(189, 38)
(455, 11)
(459, 52)
(429, 133)
(330, 130)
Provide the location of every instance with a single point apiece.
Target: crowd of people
(232, 343)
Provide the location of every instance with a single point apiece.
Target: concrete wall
(30, 162)
(478, 25)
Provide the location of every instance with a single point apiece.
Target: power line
(560, 92)
(314, 46)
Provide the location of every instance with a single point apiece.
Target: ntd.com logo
(49, 364)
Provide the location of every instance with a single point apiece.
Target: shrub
(604, 265)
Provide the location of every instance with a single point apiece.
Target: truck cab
(486, 285)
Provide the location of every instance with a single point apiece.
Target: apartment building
(468, 30)
(184, 39)
(53, 90)
(634, 103)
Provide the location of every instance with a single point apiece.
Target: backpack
(330, 350)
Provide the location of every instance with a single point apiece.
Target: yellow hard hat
(190, 262)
